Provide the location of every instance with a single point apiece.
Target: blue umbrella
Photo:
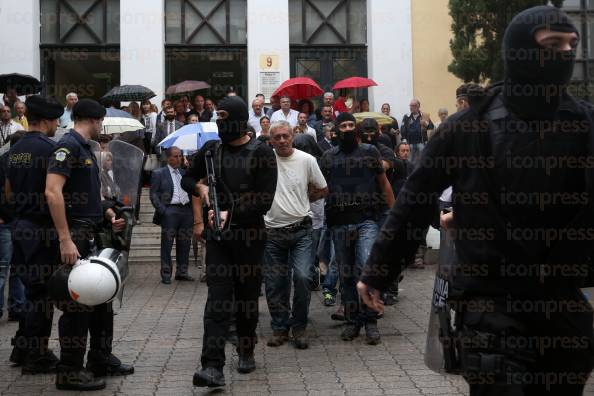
(192, 136)
(111, 112)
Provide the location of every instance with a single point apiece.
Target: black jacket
(246, 179)
(523, 228)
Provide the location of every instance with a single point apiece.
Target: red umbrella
(355, 82)
(299, 88)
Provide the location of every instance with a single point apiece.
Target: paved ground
(159, 329)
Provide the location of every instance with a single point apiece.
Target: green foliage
(478, 27)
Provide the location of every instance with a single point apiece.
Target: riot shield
(127, 170)
(439, 349)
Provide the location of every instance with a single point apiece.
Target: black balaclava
(536, 77)
(347, 141)
(234, 126)
(369, 131)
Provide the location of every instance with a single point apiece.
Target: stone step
(146, 228)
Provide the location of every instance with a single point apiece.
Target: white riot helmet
(96, 280)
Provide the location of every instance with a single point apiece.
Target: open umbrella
(186, 87)
(381, 118)
(22, 83)
(355, 82)
(299, 88)
(125, 93)
(192, 136)
(113, 125)
(111, 112)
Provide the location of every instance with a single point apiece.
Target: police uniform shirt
(354, 193)
(27, 168)
(74, 159)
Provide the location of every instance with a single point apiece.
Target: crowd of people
(290, 191)
(302, 210)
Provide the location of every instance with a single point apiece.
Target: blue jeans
(16, 292)
(415, 152)
(288, 253)
(316, 237)
(352, 244)
(326, 253)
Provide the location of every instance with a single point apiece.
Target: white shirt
(312, 132)
(65, 119)
(291, 201)
(291, 118)
(151, 125)
(169, 127)
(254, 121)
(317, 210)
(179, 195)
(8, 129)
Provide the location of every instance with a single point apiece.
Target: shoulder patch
(61, 154)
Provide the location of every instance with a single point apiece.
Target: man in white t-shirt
(288, 247)
(286, 113)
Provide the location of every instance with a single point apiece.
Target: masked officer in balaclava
(246, 174)
(519, 161)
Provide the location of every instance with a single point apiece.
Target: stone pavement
(159, 330)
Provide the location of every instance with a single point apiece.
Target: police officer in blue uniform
(35, 245)
(74, 198)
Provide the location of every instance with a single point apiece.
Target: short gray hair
(71, 94)
(329, 94)
(443, 110)
(280, 124)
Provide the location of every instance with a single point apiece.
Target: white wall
(268, 34)
(19, 37)
(390, 62)
(142, 45)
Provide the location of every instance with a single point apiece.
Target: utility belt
(480, 355)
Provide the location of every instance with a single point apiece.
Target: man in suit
(326, 143)
(173, 213)
(204, 115)
(167, 127)
(265, 109)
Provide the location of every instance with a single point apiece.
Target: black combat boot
(247, 363)
(209, 376)
(71, 378)
(40, 364)
(19, 352)
(102, 364)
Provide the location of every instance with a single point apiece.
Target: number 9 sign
(269, 62)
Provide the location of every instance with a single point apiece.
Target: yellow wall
(433, 85)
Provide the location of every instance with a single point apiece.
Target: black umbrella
(22, 83)
(126, 93)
